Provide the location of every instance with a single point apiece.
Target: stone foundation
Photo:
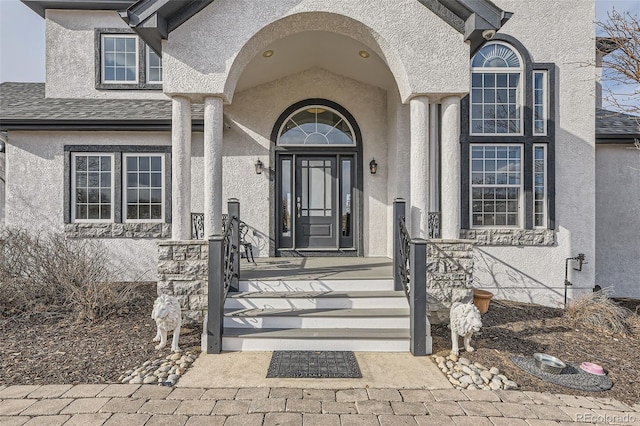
(117, 230)
(449, 276)
(182, 272)
(509, 237)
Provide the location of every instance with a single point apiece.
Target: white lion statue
(464, 321)
(166, 313)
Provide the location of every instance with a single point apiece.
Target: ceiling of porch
(333, 52)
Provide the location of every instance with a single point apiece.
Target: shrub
(598, 311)
(51, 274)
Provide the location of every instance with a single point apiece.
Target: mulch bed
(42, 350)
(48, 351)
(521, 329)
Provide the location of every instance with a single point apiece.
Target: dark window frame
(528, 139)
(117, 170)
(142, 62)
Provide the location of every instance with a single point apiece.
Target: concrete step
(317, 300)
(317, 318)
(347, 339)
(316, 285)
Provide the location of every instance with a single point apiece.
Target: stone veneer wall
(449, 276)
(182, 272)
(509, 237)
(118, 230)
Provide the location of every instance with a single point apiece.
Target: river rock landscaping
(163, 371)
(464, 374)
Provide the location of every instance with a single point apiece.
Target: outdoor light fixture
(267, 53)
(373, 167)
(259, 167)
(364, 54)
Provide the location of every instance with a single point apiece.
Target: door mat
(314, 364)
(571, 377)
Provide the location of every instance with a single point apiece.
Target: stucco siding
(252, 117)
(536, 274)
(618, 219)
(35, 188)
(210, 51)
(71, 55)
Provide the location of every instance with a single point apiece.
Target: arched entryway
(316, 146)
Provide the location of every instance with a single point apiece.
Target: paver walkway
(149, 405)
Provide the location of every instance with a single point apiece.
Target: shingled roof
(616, 127)
(24, 106)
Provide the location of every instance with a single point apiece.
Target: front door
(318, 181)
(315, 203)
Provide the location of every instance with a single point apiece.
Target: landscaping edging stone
(464, 374)
(162, 371)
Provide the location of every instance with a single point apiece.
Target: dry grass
(55, 276)
(597, 311)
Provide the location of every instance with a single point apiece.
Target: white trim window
(154, 67)
(496, 91)
(119, 58)
(92, 186)
(496, 186)
(316, 125)
(540, 186)
(540, 103)
(143, 194)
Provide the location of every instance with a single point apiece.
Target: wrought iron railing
(410, 275)
(223, 274)
(197, 226)
(404, 268)
(433, 224)
(231, 251)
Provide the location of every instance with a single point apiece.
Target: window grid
(495, 103)
(539, 103)
(92, 188)
(154, 67)
(119, 59)
(496, 185)
(144, 191)
(539, 186)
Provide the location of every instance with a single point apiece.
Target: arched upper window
(316, 125)
(496, 91)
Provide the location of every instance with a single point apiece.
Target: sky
(22, 56)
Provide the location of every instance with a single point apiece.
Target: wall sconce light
(259, 167)
(373, 167)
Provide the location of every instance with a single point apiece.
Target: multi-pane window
(144, 187)
(119, 58)
(496, 94)
(92, 187)
(539, 186)
(496, 185)
(154, 67)
(539, 103)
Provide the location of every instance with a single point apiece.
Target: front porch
(318, 268)
(313, 303)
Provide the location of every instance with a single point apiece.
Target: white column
(450, 226)
(434, 156)
(181, 169)
(419, 183)
(213, 125)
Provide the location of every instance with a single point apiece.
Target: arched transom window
(496, 91)
(316, 125)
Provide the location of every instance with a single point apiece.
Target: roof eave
(153, 20)
(40, 6)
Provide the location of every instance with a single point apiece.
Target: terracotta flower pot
(481, 299)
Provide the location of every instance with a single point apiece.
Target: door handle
(298, 205)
